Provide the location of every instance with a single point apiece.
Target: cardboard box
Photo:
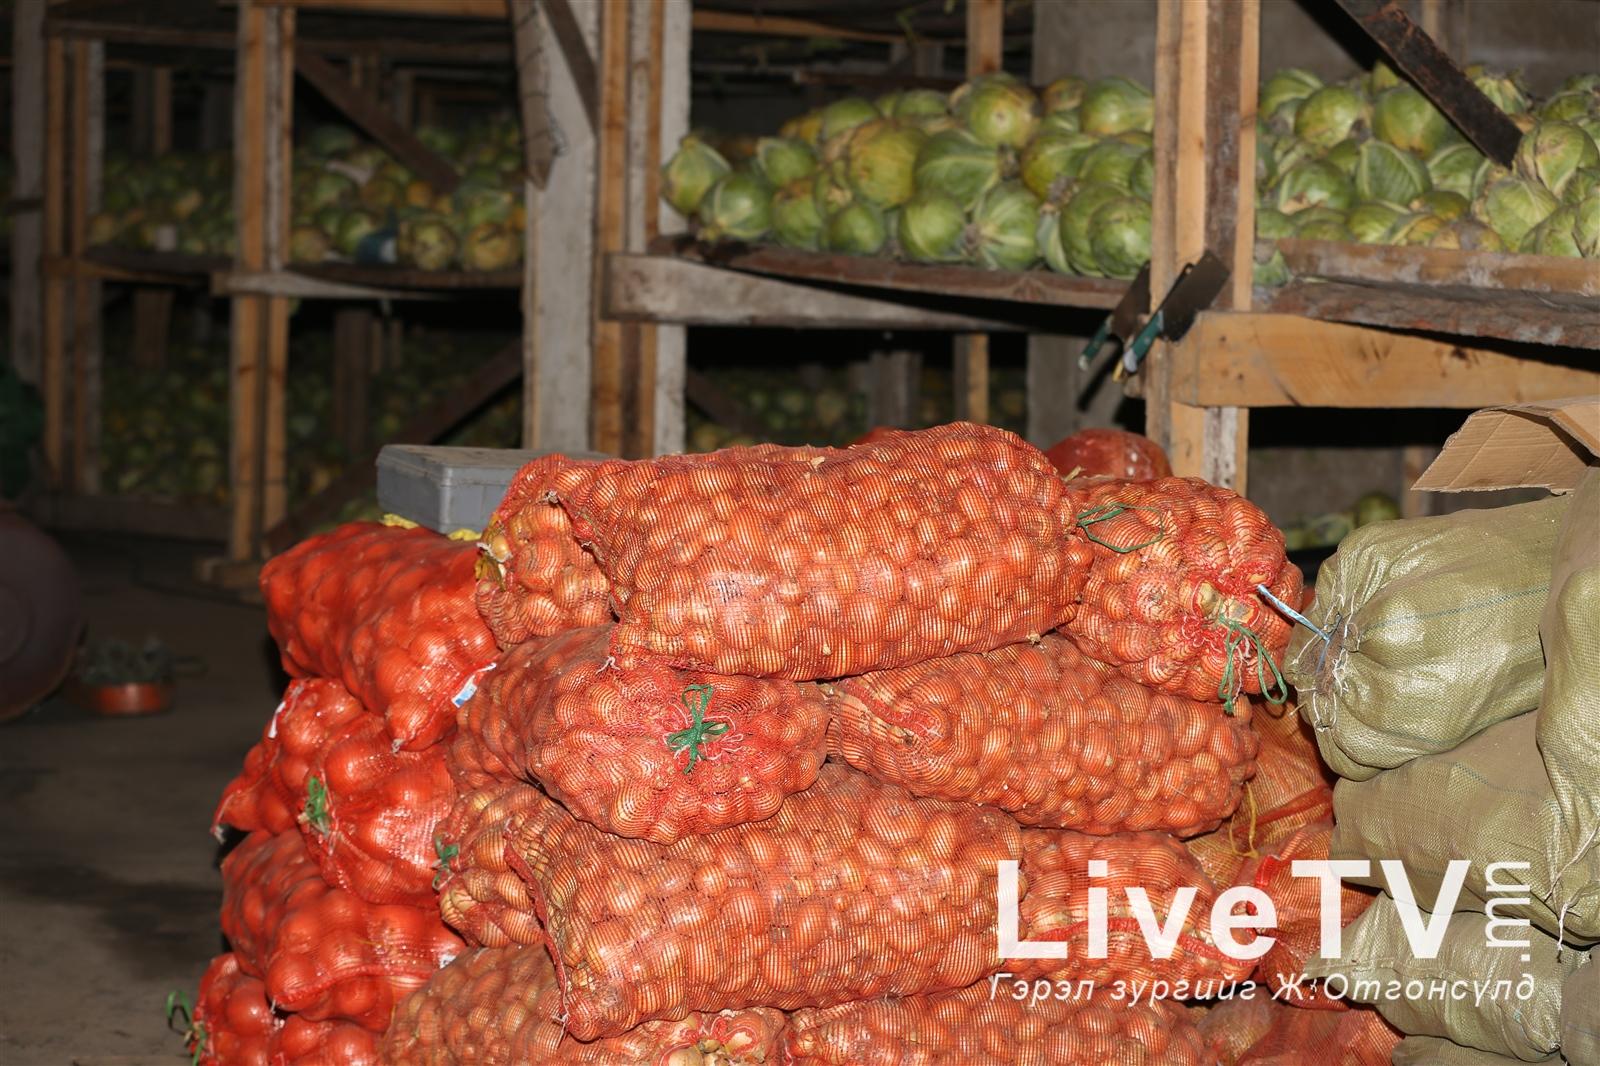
(1547, 444)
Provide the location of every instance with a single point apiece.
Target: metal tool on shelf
(1197, 285)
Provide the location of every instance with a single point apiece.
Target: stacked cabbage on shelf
(1370, 159)
(350, 200)
(991, 175)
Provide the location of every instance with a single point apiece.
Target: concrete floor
(109, 890)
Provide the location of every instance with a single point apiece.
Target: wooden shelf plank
(176, 268)
(1280, 360)
(399, 277)
(1031, 286)
(1438, 266)
(661, 288)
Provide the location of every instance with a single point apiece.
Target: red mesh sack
(499, 1007)
(1298, 903)
(371, 814)
(985, 1026)
(1292, 788)
(1171, 597)
(1044, 732)
(854, 889)
(1109, 453)
(645, 750)
(389, 611)
(234, 1025)
(535, 579)
(322, 951)
(809, 563)
(270, 791)
(1055, 907)
(480, 895)
(1260, 1031)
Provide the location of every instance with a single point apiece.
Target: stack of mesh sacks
(722, 759)
(1452, 682)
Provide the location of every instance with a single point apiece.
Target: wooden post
(1207, 67)
(249, 312)
(986, 23)
(28, 109)
(279, 148)
(664, 363)
(53, 328)
(610, 223)
(88, 128)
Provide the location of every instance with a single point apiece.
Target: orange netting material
(1109, 453)
(370, 814)
(1262, 1032)
(499, 1007)
(1055, 907)
(1171, 597)
(854, 889)
(984, 1026)
(389, 611)
(535, 579)
(322, 951)
(234, 1025)
(1049, 735)
(810, 563)
(480, 895)
(645, 750)
(270, 790)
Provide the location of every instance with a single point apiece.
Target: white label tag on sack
(272, 726)
(470, 689)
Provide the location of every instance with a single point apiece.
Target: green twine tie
(1238, 635)
(315, 812)
(193, 1032)
(446, 852)
(699, 729)
(1113, 510)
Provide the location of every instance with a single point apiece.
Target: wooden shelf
(173, 268)
(1525, 298)
(400, 277)
(1040, 287)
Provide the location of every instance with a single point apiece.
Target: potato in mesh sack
(501, 1007)
(480, 895)
(1171, 597)
(1057, 876)
(644, 750)
(854, 889)
(270, 791)
(321, 951)
(984, 1025)
(233, 1023)
(387, 610)
(535, 579)
(1049, 735)
(370, 814)
(810, 563)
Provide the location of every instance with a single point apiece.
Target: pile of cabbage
(991, 175)
(1371, 160)
(350, 200)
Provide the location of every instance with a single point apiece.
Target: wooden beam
(368, 112)
(1416, 56)
(610, 222)
(533, 95)
(293, 285)
(279, 164)
(710, 21)
(986, 41)
(1273, 360)
(248, 322)
(443, 415)
(575, 50)
(27, 151)
(1484, 271)
(53, 325)
(161, 110)
(658, 288)
(666, 360)
(475, 9)
(88, 130)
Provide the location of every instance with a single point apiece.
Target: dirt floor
(109, 888)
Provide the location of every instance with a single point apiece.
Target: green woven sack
(1435, 1051)
(1580, 1013)
(1432, 634)
(1488, 801)
(1375, 949)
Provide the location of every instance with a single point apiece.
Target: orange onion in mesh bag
(534, 578)
(370, 814)
(1042, 731)
(501, 1007)
(1172, 599)
(808, 563)
(234, 1025)
(322, 951)
(854, 889)
(269, 791)
(387, 610)
(480, 895)
(644, 750)
(985, 1025)
(1055, 907)
(1109, 452)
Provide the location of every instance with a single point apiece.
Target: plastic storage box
(447, 489)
